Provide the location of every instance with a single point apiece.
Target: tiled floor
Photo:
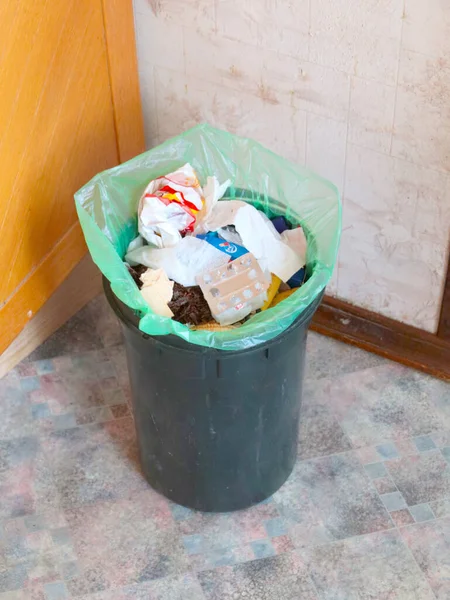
(365, 515)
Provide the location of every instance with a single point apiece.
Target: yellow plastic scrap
(282, 296)
(271, 292)
(213, 326)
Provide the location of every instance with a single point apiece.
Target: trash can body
(217, 430)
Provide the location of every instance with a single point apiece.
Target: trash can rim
(165, 340)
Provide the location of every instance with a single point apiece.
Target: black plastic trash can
(217, 430)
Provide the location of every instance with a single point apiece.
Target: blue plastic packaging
(234, 250)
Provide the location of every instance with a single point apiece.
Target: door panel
(57, 129)
(59, 126)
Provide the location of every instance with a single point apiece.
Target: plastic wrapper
(107, 209)
(231, 250)
(234, 290)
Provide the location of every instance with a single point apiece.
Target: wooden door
(69, 108)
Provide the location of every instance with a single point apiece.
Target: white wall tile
(284, 26)
(158, 42)
(356, 54)
(307, 86)
(270, 75)
(422, 121)
(236, 20)
(426, 27)
(426, 77)
(226, 62)
(421, 135)
(360, 37)
(325, 148)
(392, 275)
(375, 182)
(284, 13)
(375, 18)
(432, 220)
(141, 7)
(371, 116)
(197, 14)
(332, 287)
(323, 91)
(183, 102)
(284, 40)
(149, 111)
(392, 246)
(279, 25)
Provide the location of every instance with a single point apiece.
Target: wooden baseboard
(82, 284)
(394, 340)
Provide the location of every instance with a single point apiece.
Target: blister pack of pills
(234, 290)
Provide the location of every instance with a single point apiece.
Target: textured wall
(359, 90)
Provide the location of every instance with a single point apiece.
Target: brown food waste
(188, 303)
(136, 273)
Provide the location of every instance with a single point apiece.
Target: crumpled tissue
(183, 262)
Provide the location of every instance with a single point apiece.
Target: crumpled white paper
(175, 204)
(223, 214)
(157, 291)
(296, 239)
(261, 238)
(213, 191)
(183, 262)
(282, 255)
(160, 224)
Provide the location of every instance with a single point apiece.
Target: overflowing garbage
(212, 238)
(203, 261)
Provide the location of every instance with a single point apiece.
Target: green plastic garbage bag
(107, 209)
